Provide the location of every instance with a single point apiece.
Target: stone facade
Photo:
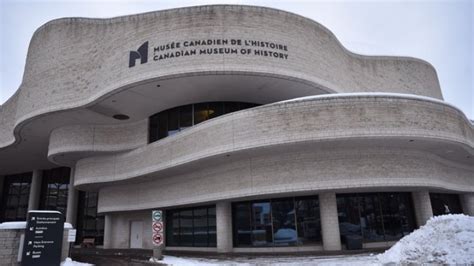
(381, 125)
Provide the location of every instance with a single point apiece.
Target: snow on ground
(70, 262)
(354, 260)
(447, 239)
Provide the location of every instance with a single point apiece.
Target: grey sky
(440, 32)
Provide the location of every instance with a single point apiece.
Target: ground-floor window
(445, 203)
(191, 227)
(54, 189)
(375, 216)
(276, 222)
(16, 192)
(89, 223)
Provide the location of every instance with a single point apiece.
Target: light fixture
(121, 117)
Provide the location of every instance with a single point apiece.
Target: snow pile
(446, 239)
(13, 225)
(70, 262)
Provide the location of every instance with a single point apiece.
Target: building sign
(43, 238)
(157, 227)
(206, 47)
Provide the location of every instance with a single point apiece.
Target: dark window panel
(375, 216)
(185, 116)
(15, 196)
(173, 121)
(283, 219)
(445, 203)
(201, 113)
(162, 125)
(191, 227)
(308, 221)
(215, 109)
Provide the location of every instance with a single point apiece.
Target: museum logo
(266, 50)
(141, 53)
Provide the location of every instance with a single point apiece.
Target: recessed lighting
(121, 117)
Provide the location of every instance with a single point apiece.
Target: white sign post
(157, 228)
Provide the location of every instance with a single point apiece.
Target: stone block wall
(9, 245)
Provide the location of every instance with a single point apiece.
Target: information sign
(157, 227)
(71, 235)
(43, 238)
(157, 215)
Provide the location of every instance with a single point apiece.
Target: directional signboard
(43, 238)
(157, 227)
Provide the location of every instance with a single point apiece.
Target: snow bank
(22, 225)
(446, 239)
(70, 262)
(13, 225)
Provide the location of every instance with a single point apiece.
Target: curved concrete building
(252, 129)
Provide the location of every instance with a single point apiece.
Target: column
(35, 190)
(224, 227)
(72, 194)
(108, 230)
(467, 202)
(329, 221)
(422, 206)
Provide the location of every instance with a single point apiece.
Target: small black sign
(43, 238)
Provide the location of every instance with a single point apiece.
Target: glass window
(201, 113)
(16, 192)
(445, 203)
(54, 191)
(283, 218)
(242, 224)
(277, 222)
(90, 224)
(215, 109)
(162, 125)
(185, 116)
(308, 220)
(375, 216)
(192, 227)
(262, 226)
(171, 121)
(211, 223)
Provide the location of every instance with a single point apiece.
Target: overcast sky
(440, 32)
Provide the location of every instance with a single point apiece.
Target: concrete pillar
(329, 221)
(224, 226)
(422, 206)
(467, 202)
(35, 190)
(108, 231)
(71, 210)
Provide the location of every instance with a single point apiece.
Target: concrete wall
(73, 62)
(120, 229)
(316, 120)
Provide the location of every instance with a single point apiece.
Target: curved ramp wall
(73, 62)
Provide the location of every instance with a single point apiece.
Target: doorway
(136, 234)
